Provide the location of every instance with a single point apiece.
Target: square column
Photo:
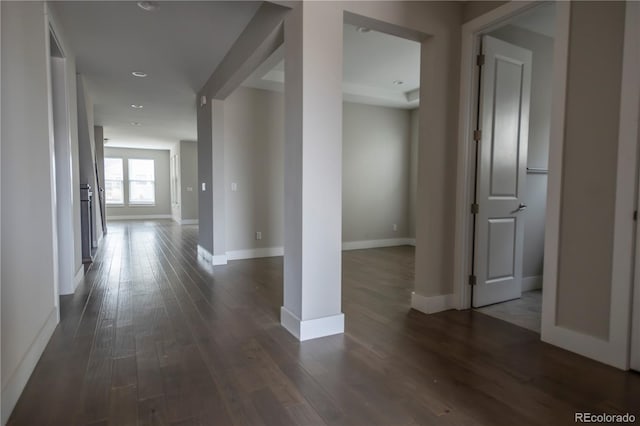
(218, 183)
(212, 187)
(313, 171)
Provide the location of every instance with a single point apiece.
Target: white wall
(72, 105)
(376, 170)
(538, 152)
(29, 311)
(162, 205)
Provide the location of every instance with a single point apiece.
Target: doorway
(510, 162)
(63, 168)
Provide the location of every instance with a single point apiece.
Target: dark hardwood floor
(155, 337)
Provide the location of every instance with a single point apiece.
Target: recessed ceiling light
(139, 74)
(149, 6)
(135, 123)
(363, 29)
(137, 106)
(398, 82)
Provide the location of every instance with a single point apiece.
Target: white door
(501, 171)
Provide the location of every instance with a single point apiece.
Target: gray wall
(205, 176)
(376, 146)
(589, 169)
(254, 160)
(473, 9)
(376, 170)
(188, 180)
(413, 173)
(163, 190)
(538, 151)
(185, 204)
(27, 220)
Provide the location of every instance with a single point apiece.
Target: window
(113, 181)
(142, 186)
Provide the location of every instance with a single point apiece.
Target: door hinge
(480, 60)
(475, 208)
(472, 280)
(477, 135)
(635, 215)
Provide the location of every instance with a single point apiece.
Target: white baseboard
(351, 245)
(140, 217)
(388, 242)
(184, 221)
(532, 283)
(14, 386)
(432, 304)
(204, 254)
(311, 329)
(255, 253)
(585, 345)
(218, 259)
(65, 290)
(78, 278)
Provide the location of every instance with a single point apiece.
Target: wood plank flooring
(156, 337)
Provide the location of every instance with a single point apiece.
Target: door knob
(521, 207)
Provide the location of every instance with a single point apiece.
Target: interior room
(319, 213)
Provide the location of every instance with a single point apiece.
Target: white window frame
(134, 203)
(122, 181)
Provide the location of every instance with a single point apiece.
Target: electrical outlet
(234, 186)
(258, 235)
(395, 227)
(189, 188)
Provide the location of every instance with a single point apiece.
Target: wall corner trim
(16, 383)
(218, 259)
(432, 304)
(313, 328)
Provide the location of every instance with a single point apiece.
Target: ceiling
(540, 19)
(178, 45)
(372, 61)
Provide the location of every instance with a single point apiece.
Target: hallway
(156, 337)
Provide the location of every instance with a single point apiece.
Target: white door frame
(614, 351)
